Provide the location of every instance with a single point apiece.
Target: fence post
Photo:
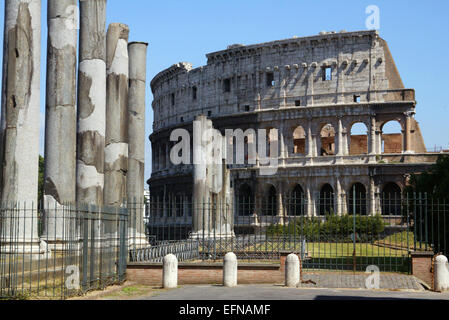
(170, 272)
(230, 270)
(85, 219)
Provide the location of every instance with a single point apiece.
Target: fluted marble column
(91, 102)
(20, 122)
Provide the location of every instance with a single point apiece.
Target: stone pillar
(309, 143)
(60, 124)
(407, 133)
(441, 274)
(282, 144)
(372, 137)
(310, 200)
(167, 156)
(170, 272)
(280, 203)
(136, 133)
(20, 123)
(230, 270)
(378, 141)
(292, 271)
(91, 102)
(372, 197)
(116, 140)
(339, 138)
(338, 197)
(200, 189)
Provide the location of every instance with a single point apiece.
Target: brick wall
(206, 273)
(359, 145)
(422, 266)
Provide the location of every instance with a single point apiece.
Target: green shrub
(332, 228)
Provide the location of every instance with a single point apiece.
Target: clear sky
(178, 30)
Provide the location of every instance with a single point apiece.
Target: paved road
(277, 292)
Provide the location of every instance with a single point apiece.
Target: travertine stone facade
(313, 90)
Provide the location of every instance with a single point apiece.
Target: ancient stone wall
(313, 90)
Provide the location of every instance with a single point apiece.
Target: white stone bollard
(170, 272)
(292, 270)
(441, 274)
(230, 270)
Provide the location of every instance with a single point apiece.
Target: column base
(137, 240)
(31, 247)
(210, 235)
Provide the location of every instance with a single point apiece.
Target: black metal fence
(349, 234)
(59, 251)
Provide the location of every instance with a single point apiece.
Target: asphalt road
(277, 292)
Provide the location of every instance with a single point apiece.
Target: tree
(434, 182)
(429, 193)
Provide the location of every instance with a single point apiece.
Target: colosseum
(314, 90)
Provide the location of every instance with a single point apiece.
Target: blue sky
(417, 33)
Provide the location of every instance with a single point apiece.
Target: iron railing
(329, 233)
(57, 251)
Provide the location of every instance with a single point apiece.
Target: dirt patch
(126, 291)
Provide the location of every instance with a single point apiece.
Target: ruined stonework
(211, 185)
(136, 134)
(91, 102)
(60, 129)
(116, 150)
(313, 90)
(20, 117)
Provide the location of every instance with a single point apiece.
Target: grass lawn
(320, 249)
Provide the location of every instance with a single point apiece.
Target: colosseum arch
(358, 139)
(272, 135)
(245, 200)
(391, 198)
(299, 140)
(357, 199)
(269, 201)
(296, 201)
(392, 137)
(326, 200)
(327, 139)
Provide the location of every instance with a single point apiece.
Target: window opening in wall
(327, 140)
(299, 141)
(182, 119)
(194, 93)
(392, 137)
(227, 85)
(358, 144)
(209, 113)
(357, 99)
(172, 99)
(247, 108)
(270, 79)
(297, 103)
(327, 73)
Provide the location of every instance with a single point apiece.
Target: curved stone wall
(313, 90)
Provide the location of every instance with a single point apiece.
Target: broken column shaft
(116, 150)
(136, 133)
(91, 102)
(60, 128)
(20, 123)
